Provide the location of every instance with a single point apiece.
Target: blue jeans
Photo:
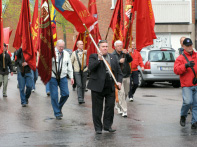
(22, 82)
(47, 87)
(189, 99)
(64, 93)
(34, 77)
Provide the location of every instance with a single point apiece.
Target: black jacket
(98, 72)
(20, 60)
(8, 63)
(126, 70)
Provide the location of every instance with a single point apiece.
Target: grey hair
(60, 41)
(118, 41)
(78, 41)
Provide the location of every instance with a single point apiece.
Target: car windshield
(162, 56)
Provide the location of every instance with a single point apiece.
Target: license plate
(166, 68)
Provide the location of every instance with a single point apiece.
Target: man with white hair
(78, 59)
(124, 59)
(58, 78)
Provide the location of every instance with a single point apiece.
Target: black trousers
(134, 81)
(97, 109)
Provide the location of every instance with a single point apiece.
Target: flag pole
(107, 33)
(106, 64)
(84, 40)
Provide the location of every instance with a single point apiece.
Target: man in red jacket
(137, 60)
(186, 70)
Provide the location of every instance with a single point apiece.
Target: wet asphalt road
(153, 121)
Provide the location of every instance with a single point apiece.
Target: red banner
(23, 35)
(144, 24)
(129, 17)
(117, 22)
(75, 12)
(1, 29)
(94, 31)
(35, 27)
(46, 43)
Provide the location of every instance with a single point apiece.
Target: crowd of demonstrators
(24, 77)
(102, 87)
(186, 66)
(78, 59)
(123, 59)
(5, 68)
(59, 78)
(123, 65)
(137, 61)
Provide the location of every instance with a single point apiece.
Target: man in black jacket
(24, 77)
(4, 69)
(102, 86)
(124, 58)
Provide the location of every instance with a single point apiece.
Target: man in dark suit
(102, 86)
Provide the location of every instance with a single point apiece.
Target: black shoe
(182, 121)
(24, 105)
(98, 132)
(48, 93)
(86, 90)
(110, 130)
(4, 95)
(194, 126)
(61, 114)
(58, 117)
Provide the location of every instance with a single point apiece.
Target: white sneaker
(119, 111)
(33, 90)
(124, 114)
(131, 99)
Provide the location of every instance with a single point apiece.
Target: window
(143, 54)
(162, 56)
(113, 4)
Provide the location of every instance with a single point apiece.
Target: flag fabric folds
(117, 23)
(53, 24)
(46, 44)
(1, 28)
(94, 31)
(145, 23)
(128, 22)
(23, 36)
(75, 12)
(35, 27)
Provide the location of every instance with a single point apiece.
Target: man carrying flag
(25, 55)
(80, 70)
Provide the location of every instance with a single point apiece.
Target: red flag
(46, 43)
(117, 22)
(35, 27)
(6, 33)
(23, 35)
(75, 12)
(129, 17)
(94, 30)
(145, 24)
(1, 28)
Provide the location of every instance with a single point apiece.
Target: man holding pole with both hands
(102, 86)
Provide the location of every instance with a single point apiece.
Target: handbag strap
(188, 61)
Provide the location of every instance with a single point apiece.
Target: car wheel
(176, 84)
(142, 83)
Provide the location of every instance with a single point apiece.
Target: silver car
(158, 67)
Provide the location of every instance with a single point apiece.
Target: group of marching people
(124, 65)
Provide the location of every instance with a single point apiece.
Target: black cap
(187, 42)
